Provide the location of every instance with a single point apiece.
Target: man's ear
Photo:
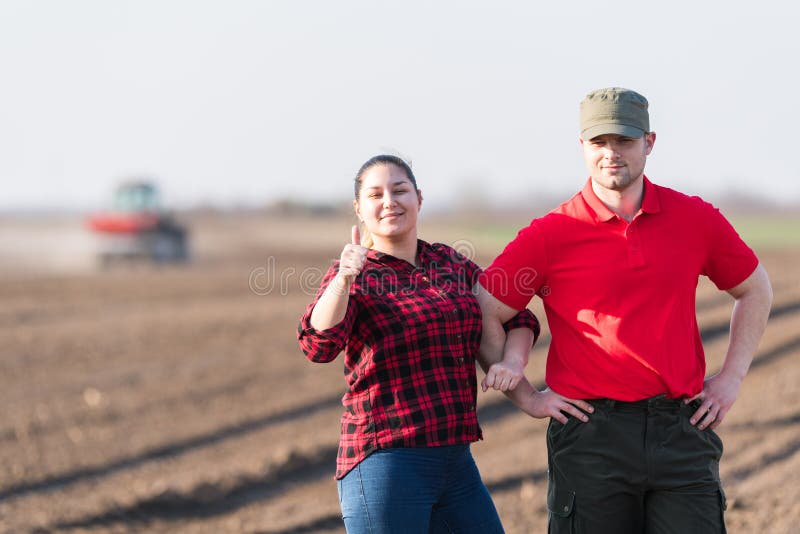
(649, 142)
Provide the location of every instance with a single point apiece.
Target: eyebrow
(399, 182)
(603, 140)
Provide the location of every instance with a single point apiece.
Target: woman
(404, 314)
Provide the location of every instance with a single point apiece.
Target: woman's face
(388, 203)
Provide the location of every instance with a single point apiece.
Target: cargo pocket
(560, 505)
(555, 428)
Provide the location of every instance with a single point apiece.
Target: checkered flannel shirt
(410, 337)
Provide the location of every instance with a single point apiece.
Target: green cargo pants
(634, 468)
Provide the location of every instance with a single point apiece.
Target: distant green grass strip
(766, 231)
(759, 231)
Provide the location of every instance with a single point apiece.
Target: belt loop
(611, 403)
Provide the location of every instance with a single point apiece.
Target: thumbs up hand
(353, 257)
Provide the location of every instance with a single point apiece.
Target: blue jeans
(417, 490)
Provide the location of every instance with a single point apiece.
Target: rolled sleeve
(325, 345)
(524, 319)
(322, 345)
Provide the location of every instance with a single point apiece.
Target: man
(631, 446)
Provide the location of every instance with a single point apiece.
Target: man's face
(615, 161)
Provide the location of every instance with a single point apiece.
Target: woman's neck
(405, 249)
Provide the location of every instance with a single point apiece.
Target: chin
(616, 182)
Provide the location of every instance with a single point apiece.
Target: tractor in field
(136, 228)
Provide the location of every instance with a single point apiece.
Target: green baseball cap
(614, 110)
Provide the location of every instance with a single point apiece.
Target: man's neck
(625, 202)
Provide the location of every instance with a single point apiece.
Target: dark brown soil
(148, 399)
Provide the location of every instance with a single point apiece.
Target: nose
(610, 151)
(388, 199)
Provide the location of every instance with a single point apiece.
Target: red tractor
(137, 228)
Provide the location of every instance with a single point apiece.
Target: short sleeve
(325, 345)
(729, 261)
(518, 272)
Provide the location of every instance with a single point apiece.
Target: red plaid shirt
(410, 337)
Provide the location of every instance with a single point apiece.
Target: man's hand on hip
(548, 403)
(719, 393)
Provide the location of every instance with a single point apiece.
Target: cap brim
(612, 128)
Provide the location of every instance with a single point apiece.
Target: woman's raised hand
(353, 257)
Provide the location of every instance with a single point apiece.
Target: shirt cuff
(523, 319)
(321, 345)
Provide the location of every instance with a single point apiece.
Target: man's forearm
(748, 322)
(522, 396)
(491, 351)
(493, 339)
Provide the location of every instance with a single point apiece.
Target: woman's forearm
(331, 307)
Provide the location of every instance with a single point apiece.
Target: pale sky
(228, 102)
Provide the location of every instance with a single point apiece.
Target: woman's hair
(382, 159)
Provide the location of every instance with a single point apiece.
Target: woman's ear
(357, 210)
(419, 197)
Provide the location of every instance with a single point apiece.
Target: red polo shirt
(619, 296)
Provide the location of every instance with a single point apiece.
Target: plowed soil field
(175, 399)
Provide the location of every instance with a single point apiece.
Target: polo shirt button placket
(635, 258)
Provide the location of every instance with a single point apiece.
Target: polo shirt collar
(650, 201)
